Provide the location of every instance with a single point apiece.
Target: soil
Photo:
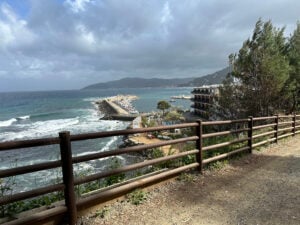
(261, 188)
(143, 139)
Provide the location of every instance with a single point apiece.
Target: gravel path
(262, 188)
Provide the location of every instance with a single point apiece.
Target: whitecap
(7, 123)
(23, 117)
(40, 129)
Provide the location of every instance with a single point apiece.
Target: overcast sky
(67, 44)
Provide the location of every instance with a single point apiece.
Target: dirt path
(262, 188)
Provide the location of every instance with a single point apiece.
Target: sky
(69, 44)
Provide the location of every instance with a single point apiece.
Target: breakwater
(118, 108)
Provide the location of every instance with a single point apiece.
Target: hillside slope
(139, 83)
(214, 78)
(135, 82)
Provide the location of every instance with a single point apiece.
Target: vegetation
(7, 186)
(137, 197)
(114, 164)
(101, 212)
(292, 95)
(187, 177)
(174, 116)
(163, 105)
(146, 122)
(214, 78)
(265, 75)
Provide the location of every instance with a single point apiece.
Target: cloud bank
(47, 44)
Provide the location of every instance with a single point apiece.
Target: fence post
(276, 128)
(199, 145)
(68, 178)
(250, 133)
(294, 124)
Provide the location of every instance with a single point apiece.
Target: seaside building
(204, 98)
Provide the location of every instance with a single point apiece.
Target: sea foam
(23, 117)
(7, 123)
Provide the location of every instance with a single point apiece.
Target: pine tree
(163, 105)
(293, 83)
(260, 72)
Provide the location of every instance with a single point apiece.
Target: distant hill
(214, 78)
(140, 82)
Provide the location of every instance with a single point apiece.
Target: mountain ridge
(214, 78)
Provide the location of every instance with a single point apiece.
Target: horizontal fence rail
(212, 141)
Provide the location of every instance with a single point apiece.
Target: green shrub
(114, 164)
(101, 212)
(137, 197)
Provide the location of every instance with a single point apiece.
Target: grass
(101, 212)
(137, 197)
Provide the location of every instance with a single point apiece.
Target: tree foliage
(265, 74)
(174, 116)
(163, 105)
(292, 95)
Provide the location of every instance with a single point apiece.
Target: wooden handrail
(29, 169)
(80, 137)
(264, 118)
(10, 145)
(264, 126)
(30, 194)
(221, 122)
(124, 169)
(217, 134)
(210, 147)
(137, 148)
(287, 128)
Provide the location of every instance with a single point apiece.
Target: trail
(262, 188)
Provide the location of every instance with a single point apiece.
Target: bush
(114, 164)
(137, 197)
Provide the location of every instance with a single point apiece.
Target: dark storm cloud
(84, 41)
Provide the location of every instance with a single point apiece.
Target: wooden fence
(236, 136)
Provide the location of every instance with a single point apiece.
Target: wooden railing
(214, 140)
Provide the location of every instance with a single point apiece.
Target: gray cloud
(64, 45)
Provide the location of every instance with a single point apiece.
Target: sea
(31, 115)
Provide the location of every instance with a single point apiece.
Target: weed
(6, 189)
(114, 164)
(187, 177)
(137, 197)
(101, 212)
(218, 165)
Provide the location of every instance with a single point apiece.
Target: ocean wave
(23, 117)
(105, 148)
(88, 121)
(7, 123)
(39, 129)
(43, 115)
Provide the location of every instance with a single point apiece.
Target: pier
(118, 108)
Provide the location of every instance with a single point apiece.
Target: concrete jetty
(118, 108)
